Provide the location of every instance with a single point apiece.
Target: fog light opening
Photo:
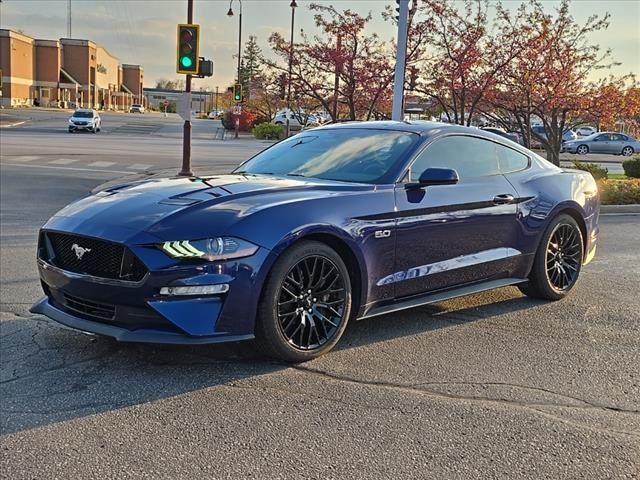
(195, 290)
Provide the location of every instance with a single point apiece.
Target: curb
(633, 209)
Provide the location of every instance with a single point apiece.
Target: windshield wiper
(296, 175)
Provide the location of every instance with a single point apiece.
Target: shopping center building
(65, 73)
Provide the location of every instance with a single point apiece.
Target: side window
(511, 160)
(602, 138)
(618, 138)
(469, 156)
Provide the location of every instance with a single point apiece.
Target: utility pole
(186, 136)
(401, 60)
(293, 6)
(216, 101)
(68, 18)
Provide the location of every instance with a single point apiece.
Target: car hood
(184, 207)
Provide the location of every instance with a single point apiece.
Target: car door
(448, 235)
(617, 143)
(600, 144)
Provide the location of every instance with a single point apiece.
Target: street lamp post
(293, 6)
(230, 14)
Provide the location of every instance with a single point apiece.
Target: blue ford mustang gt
(334, 224)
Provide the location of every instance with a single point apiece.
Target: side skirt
(441, 296)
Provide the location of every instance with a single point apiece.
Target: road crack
(530, 406)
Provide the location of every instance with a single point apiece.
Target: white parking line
(24, 159)
(64, 161)
(139, 166)
(101, 164)
(93, 170)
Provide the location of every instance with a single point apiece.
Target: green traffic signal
(187, 49)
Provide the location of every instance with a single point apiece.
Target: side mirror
(435, 176)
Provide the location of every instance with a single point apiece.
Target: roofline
(7, 32)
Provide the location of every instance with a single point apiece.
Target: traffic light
(282, 83)
(188, 46)
(413, 77)
(237, 93)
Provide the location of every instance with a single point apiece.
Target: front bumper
(44, 307)
(136, 311)
(80, 127)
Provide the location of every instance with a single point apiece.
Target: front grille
(93, 309)
(91, 256)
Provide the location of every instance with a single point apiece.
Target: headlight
(219, 248)
(71, 120)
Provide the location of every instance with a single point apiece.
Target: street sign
(183, 106)
(237, 110)
(166, 103)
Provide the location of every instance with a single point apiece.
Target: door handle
(503, 199)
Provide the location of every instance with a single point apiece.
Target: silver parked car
(604, 142)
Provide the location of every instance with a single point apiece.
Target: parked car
(280, 118)
(513, 136)
(343, 222)
(85, 119)
(567, 136)
(136, 108)
(604, 142)
(214, 114)
(585, 131)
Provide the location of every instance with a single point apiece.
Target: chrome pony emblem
(79, 251)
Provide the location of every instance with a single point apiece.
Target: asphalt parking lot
(491, 386)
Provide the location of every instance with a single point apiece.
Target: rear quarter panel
(544, 192)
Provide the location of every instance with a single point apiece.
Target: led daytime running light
(182, 249)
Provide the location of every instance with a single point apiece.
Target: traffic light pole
(186, 131)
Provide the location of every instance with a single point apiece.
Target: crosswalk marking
(24, 159)
(139, 166)
(101, 164)
(64, 161)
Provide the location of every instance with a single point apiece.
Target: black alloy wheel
(558, 260)
(564, 256)
(311, 303)
(305, 303)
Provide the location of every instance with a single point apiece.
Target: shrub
(632, 167)
(619, 192)
(246, 120)
(596, 171)
(267, 130)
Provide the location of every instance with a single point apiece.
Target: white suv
(85, 119)
(136, 108)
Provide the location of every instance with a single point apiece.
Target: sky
(144, 31)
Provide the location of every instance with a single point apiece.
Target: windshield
(83, 114)
(347, 155)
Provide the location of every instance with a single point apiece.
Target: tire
(93, 130)
(582, 149)
(70, 130)
(627, 151)
(279, 123)
(296, 325)
(556, 270)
